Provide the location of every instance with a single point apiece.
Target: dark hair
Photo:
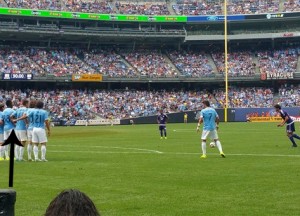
(206, 103)
(277, 106)
(39, 104)
(1, 105)
(9, 103)
(25, 102)
(72, 202)
(32, 103)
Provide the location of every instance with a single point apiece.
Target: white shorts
(22, 135)
(1, 138)
(39, 135)
(29, 135)
(211, 134)
(7, 133)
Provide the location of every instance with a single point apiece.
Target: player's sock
(218, 143)
(36, 152)
(21, 153)
(293, 141)
(6, 151)
(203, 148)
(165, 131)
(1, 151)
(17, 152)
(29, 151)
(296, 136)
(161, 133)
(43, 150)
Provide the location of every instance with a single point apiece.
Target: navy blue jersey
(162, 119)
(283, 115)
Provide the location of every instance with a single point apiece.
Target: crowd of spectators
(194, 7)
(240, 63)
(109, 63)
(89, 6)
(192, 64)
(35, 4)
(146, 8)
(291, 5)
(180, 7)
(88, 104)
(150, 63)
(252, 6)
(288, 95)
(278, 61)
(17, 61)
(245, 97)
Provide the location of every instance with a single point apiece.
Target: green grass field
(128, 170)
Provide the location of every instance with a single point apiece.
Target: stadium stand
(147, 8)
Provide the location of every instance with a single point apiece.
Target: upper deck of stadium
(156, 7)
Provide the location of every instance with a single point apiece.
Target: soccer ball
(212, 144)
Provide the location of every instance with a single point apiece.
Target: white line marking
(115, 147)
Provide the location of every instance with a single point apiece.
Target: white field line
(150, 151)
(116, 147)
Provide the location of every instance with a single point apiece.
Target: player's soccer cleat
(203, 156)
(44, 160)
(222, 155)
(166, 138)
(293, 146)
(1, 159)
(161, 137)
(37, 160)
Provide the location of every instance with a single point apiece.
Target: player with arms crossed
(210, 119)
(162, 121)
(290, 126)
(40, 120)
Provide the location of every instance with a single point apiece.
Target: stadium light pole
(226, 60)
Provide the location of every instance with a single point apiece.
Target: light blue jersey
(39, 116)
(30, 119)
(21, 125)
(209, 116)
(1, 125)
(8, 124)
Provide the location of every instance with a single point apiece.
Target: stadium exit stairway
(168, 60)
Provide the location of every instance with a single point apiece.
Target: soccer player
(21, 130)
(1, 133)
(32, 104)
(40, 120)
(290, 126)
(210, 119)
(162, 121)
(9, 125)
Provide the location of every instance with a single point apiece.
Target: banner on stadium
(276, 75)
(98, 122)
(87, 77)
(17, 76)
(265, 119)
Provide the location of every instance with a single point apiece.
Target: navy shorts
(162, 127)
(290, 128)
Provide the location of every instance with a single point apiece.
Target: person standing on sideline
(162, 121)
(40, 120)
(185, 118)
(210, 119)
(21, 130)
(1, 133)
(290, 125)
(9, 125)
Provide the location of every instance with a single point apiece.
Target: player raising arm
(210, 119)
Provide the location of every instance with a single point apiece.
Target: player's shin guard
(165, 132)
(21, 153)
(218, 143)
(29, 151)
(43, 150)
(161, 133)
(204, 147)
(36, 152)
(6, 148)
